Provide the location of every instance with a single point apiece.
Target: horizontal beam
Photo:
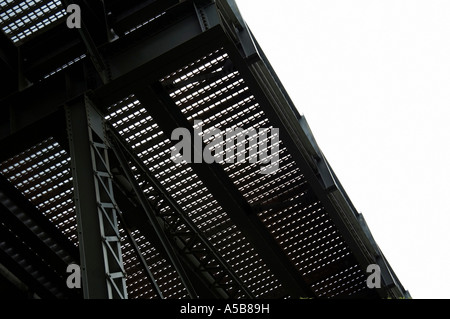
(22, 253)
(9, 61)
(132, 59)
(125, 20)
(152, 218)
(272, 98)
(129, 80)
(135, 217)
(28, 279)
(38, 218)
(21, 138)
(164, 111)
(178, 212)
(55, 264)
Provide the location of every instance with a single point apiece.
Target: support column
(102, 271)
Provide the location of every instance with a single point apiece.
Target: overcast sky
(372, 77)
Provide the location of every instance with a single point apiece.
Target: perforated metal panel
(20, 19)
(42, 174)
(144, 136)
(303, 229)
(218, 90)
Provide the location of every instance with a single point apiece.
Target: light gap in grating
(34, 20)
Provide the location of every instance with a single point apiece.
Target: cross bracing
(88, 175)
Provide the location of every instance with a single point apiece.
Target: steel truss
(177, 233)
(103, 274)
(101, 160)
(169, 218)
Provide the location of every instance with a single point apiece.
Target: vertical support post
(102, 271)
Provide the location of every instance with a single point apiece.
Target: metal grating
(43, 250)
(211, 89)
(348, 281)
(42, 174)
(137, 283)
(20, 19)
(144, 136)
(22, 255)
(204, 90)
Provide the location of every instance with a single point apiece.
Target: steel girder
(103, 274)
(169, 117)
(23, 227)
(138, 61)
(188, 239)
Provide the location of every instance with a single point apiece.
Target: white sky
(373, 80)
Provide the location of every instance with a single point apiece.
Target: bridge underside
(87, 174)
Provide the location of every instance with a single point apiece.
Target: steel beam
(12, 287)
(151, 215)
(135, 218)
(23, 258)
(50, 262)
(297, 137)
(126, 19)
(145, 49)
(18, 138)
(168, 116)
(47, 96)
(273, 99)
(38, 218)
(28, 279)
(144, 57)
(132, 59)
(9, 58)
(193, 235)
(94, 32)
(47, 50)
(127, 76)
(103, 276)
(137, 250)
